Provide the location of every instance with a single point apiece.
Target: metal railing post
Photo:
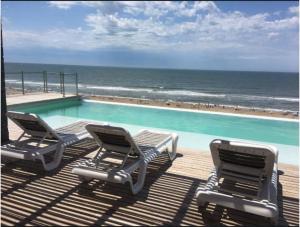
(22, 78)
(46, 80)
(60, 82)
(76, 82)
(63, 83)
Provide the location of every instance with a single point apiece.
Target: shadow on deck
(31, 196)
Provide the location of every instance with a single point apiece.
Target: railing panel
(45, 81)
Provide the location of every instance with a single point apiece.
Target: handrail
(41, 72)
(45, 75)
(53, 73)
(76, 82)
(24, 72)
(70, 73)
(22, 78)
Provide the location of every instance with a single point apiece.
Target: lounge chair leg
(202, 203)
(135, 188)
(172, 155)
(6, 160)
(84, 179)
(56, 159)
(274, 221)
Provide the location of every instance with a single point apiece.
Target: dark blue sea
(269, 90)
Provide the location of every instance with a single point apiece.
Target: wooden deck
(34, 97)
(31, 196)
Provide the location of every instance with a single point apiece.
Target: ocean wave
(156, 91)
(188, 93)
(118, 88)
(256, 97)
(169, 92)
(40, 83)
(287, 99)
(162, 91)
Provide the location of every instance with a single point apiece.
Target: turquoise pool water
(196, 129)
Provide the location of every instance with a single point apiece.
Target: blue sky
(258, 36)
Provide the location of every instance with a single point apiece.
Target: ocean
(267, 90)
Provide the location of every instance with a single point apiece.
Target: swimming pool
(196, 129)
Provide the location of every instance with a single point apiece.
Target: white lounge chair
(39, 139)
(244, 178)
(135, 154)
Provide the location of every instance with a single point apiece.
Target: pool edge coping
(193, 111)
(43, 101)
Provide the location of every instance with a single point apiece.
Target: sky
(255, 36)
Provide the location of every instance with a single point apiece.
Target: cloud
(73, 39)
(70, 4)
(160, 26)
(273, 34)
(294, 9)
(5, 20)
(62, 4)
(198, 6)
(111, 24)
(149, 8)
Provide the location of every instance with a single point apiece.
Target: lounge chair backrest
(113, 138)
(32, 125)
(244, 157)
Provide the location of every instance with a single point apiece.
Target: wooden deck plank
(31, 196)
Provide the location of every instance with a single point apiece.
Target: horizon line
(161, 68)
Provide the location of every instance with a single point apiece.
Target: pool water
(195, 129)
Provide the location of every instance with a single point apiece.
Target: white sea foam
(156, 91)
(256, 97)
(287, 99)
(187, 93)
(119, 88)
(32, 83)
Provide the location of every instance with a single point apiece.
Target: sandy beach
(182, 105)
(200, 106)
